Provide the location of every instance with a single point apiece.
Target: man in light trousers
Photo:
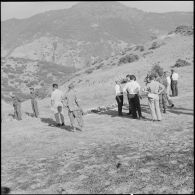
(74, 109)
(154, 88)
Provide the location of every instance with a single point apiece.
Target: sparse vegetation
(156, 45)
(89, 71)
(181, 63)
(128, 59)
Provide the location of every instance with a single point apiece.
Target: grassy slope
(154, 157)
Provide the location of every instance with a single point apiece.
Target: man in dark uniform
(17, 106)
(34, 97)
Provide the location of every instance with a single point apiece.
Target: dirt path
(151, 157)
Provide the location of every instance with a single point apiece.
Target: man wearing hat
(17, 106)
(74, 109)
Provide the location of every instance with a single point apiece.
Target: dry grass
(151, 157)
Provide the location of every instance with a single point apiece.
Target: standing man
(133, 89)
(119, 97)
(74, 109)
(138, 105)
(17, 106)
(163, 95)
(153, 89)
(168, 78)
(174, 81)
(57, 105)
(128, 98)
(34, 97)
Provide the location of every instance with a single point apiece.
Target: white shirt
(57, 98)
(175, 76)
(132, 87)
(169, 80)
(118, 89)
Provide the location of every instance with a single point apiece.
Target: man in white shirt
(119, 97)
(174, 81)
(133, 88)
(128, 80)
(57, 105)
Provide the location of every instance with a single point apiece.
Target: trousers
(174, 88)
(163, 101)
(76, 114)
(135, 105)
(59, 116)
(119, 100)
(17, 112)
(35, 107)
(128, 97)
(154, 109)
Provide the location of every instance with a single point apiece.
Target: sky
(27, 9)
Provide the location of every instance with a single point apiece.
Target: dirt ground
(112, 155)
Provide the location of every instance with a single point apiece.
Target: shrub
(139, 48)
(128, 59)
(157, 70)
(181, 63)
(156, 45)
(88, 71)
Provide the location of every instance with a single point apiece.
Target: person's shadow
(114, 113)
(52, 123)
(30, 114)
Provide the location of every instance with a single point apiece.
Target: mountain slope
(113, 155)
(75, 36)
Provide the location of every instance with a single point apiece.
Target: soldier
(34, 96)
(17, 106)
(74, 109)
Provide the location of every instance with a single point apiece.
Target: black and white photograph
(97, 97)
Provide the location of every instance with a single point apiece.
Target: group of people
(68, 100)
(157, 89)
(59, 101)
(16, 100)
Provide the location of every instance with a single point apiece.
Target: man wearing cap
(33, 97)
(74, 109)
(17, 106)
(57, 105)
(174, 81)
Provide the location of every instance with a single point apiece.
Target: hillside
(18, 74)
(88, 31)
(113, 154)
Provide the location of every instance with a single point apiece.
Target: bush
(139, 48)
(156, 69)
(88, 71)
(128, 59)
(156, 45)
(181, 63)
